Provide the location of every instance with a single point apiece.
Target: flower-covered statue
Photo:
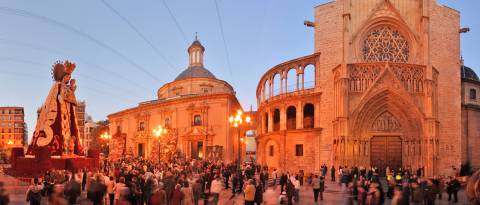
(57, 127)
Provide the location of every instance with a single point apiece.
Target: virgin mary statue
(57, 127)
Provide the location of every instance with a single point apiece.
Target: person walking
(4, 196)
(259, 193)
(72, 190)
(453, 186)
(159, 197)
(283, 182)
(333, 173)
(111, 190)
(98, 191)
(234, 183)
(188, 194)
(316, 188)
(417, 194)
(84, 179)
(215, 189)
(177, 196)
(322, 187)
(197, 191)
(34, 195)
(121, 192)
(274, 178)
(249, 193)
(290, 189)
(226, 176)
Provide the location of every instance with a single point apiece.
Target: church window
(270, 151)
(197, 120)
(299, 150)
(167, 122)
(141, 126)
(385, 44)
(473, 94)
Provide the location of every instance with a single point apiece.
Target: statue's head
(62, 71)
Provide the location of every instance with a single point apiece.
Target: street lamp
(236, 122)
(158, 132)
(105, 136)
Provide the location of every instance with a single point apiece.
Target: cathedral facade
(194, 109)
(389, 90)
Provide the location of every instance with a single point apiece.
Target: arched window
(384, 43)
(266, 90)
(473, 94)
(167, 122)
(292, 80)
(276, 120)
(309, 76)
(308, 115)
(276, 84)
(291, 118)
(197, 120)
(266, 122)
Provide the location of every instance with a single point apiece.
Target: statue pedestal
(42, 162)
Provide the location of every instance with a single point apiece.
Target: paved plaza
(333, 195)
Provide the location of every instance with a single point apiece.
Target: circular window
(385, 44)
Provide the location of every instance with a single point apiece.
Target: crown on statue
(61, 68)
(69, 67)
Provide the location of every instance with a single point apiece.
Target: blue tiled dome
(468, 73)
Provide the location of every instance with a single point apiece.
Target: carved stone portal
(386, 122)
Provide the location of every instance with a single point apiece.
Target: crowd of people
(182, 181)
(136, 181)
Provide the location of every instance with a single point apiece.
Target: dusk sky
(125, 50)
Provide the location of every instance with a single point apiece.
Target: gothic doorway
(386, 151)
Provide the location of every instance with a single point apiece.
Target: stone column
(299, 124)
(297, 82)
(283, 118)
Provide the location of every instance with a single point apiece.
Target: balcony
(288, 78)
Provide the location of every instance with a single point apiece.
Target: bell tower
(195, 52)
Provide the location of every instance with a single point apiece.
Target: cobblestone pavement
(332, 195)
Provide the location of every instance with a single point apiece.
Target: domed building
(386, 92)
(194, 108)
(470, 117)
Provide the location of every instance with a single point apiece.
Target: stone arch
(406, 124)
(276, 119)
(386, 100)
(291, 80)
(309, 76)
(291, 117)
(308, 115)
(266, 89)
(276, 84)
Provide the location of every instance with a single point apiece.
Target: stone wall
(444, 55)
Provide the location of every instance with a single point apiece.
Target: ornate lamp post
(107, 137)
(158, 132)
(237, 122)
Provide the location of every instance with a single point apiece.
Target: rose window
(385, 44)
